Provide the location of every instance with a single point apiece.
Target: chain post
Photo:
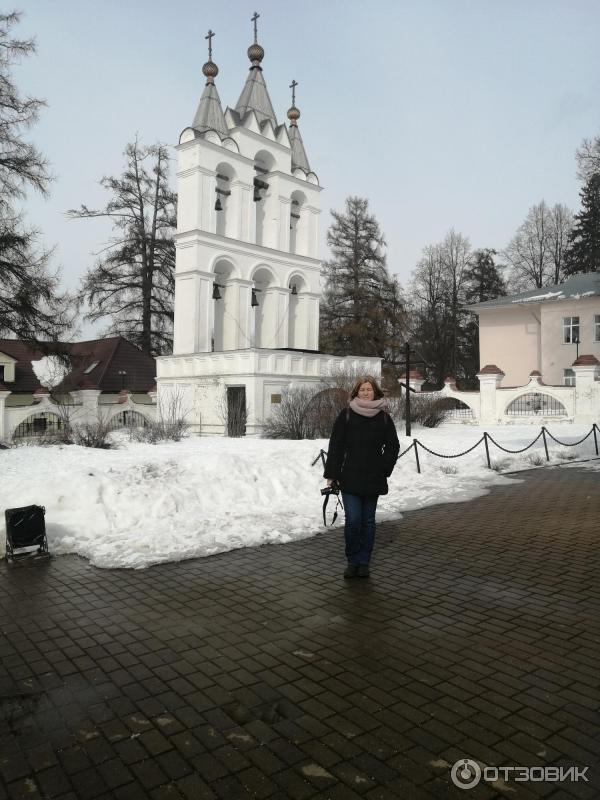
(545, 442)
(487, 449)
(415, 443)
(408, 429)
(595, 428)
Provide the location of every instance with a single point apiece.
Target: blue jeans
(359, 529)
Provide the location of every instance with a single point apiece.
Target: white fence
(535, 402)
(46, 417)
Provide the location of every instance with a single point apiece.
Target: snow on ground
(143, 504)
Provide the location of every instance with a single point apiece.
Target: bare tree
(561, 225)
(437, 294)
(133, 282)
(536, 254)
(587, 156)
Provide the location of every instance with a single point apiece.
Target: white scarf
(368, 408)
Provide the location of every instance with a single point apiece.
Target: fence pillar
(587, 389)
(86, 401)
(3, 422)
(490, 378)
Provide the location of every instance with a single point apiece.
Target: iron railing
(487, 439)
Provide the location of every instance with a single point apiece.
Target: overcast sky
(455, 113)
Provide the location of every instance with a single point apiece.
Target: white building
(247, 269)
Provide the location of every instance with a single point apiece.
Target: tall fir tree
(483, 281)
(31, 305)
(482, 278)
(583, 253)
(362, 312)
(133, 283)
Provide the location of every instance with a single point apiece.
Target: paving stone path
(262, 674)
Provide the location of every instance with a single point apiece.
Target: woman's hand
(329, 481)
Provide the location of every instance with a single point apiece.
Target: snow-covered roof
(574, 288)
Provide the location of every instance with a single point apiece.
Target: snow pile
(49, 370)
(539, 297)
(145, 504)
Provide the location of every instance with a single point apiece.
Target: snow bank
(145, 504)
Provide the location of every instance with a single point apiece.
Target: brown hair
(366, 379)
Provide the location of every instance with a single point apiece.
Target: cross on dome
(210, 69)
(209, 36)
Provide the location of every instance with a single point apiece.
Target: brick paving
(262, 674)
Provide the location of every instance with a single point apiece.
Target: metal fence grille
(45, 423)
(536, 404)
(454, 408)
(128, 419)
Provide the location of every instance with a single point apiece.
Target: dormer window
(91, 368)
(7, 368)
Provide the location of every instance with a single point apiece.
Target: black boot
(351, 571)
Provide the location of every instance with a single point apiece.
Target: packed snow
(50, 371)
(142, 504)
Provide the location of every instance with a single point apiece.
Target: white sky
(447, 113)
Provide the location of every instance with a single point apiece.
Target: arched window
(454, 408)
(223, 306)
(298, 237)
(263, 164)
(223, 202)
(263, 308)
(128, 419)
(39, 426)
(297, 311)
(536, 404)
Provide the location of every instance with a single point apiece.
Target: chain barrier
(514, 452)
(445, 455)
(570, 444)
(404, 452)
(485, 438)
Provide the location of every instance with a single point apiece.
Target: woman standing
(362, 453)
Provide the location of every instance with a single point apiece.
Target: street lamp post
(407, 386)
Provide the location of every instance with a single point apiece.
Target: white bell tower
(247, 279)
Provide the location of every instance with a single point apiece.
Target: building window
(597, 327)
(1, 372)
(570, 330)
(569, 377)
(275, 399)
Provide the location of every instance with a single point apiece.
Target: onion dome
(293, 115)
(256, 54)
(210, 70)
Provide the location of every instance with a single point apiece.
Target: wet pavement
(261, 673)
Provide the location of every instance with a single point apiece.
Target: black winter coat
(362, 452)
